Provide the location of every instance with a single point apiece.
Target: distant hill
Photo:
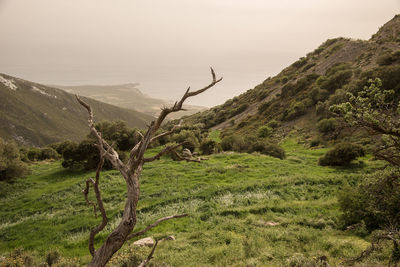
(300, 95)
(34, 114)
(128, 96)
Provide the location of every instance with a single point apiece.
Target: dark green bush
(388, 58)
(48, 153)
(375, 202)
(34, 154)
(62, 146)
(317, 94)
(11, 165)
(342, 154)
(268, 148)
(297, 109)
(300, 63)
(264, 131)
(208, 146)
(235, 143)
(335, 81)
(85, 155)
(117, 132)
(263, 107)
(326, 126)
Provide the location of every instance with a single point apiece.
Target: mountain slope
(127, 96)
(34, 114)
(300, 95)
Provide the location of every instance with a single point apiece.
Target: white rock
(148, 242)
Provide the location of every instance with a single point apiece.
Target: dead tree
(131, 172)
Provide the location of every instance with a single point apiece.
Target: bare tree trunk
(131, 173)
(118, 237)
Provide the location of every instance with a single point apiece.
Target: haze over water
(168, 45)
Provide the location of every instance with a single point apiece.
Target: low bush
(11, 165)
(388, 58)
(208, 146)
(264, 131)
(297, 109)
(341, 155)
(375, 202)
(85, 155)
(268, 148)
(326, 126)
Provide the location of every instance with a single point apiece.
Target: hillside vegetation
(300, 95)
(245, 209)
(34, 114)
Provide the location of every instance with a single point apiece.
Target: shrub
(342, 154)
(264, 131)
(335, 81)
(268, 148)
(239, 110)
(117, 132)
(388, 58)
(208, 146)
(327, 126)
(284, 79)
(227, 142)
(322, 108)
(11, 165)
(263, 107)
(48, 153)
(375, 201)
(297, 109)
(234, 143)
(34, 154)
(300, 63)
(85, 155)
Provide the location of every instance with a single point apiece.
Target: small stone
(271, 223)
(148, 242)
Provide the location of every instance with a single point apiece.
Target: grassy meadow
(244, 210)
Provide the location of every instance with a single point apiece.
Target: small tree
(377, 111)
(131, 172)
(11, 165)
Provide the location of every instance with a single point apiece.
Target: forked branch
(100, 204)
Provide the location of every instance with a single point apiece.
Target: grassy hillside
(300, 95)
(128, 96)
(245, 209)
(34, 114)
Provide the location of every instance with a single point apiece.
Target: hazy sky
(166, 45)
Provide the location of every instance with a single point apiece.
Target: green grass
(230, 199)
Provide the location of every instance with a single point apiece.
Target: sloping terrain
(128, 96)
(244, 210)
(300, 95)
(34, 114)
